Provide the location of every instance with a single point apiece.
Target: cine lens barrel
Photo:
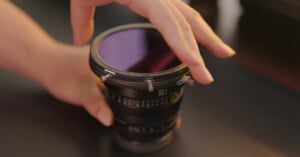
(144, 84)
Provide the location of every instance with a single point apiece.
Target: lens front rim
(130, 78)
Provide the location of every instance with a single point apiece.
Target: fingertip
(202, 75)
(225, 51)
(105, 116)
(231, 52)
(82, 22)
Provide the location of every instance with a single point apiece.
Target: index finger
(82, 20)
(176, 32)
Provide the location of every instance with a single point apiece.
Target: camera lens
(144, 84)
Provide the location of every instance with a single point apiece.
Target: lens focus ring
(147, 116)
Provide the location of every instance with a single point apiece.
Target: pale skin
(63, 70)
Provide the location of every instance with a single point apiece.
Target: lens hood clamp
(150, 85)
(107, 75)
(185, 79)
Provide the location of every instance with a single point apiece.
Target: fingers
(203, 32)
(82, 15)
(96, 106)
(186, 29)
(177, 33)
(178, 23)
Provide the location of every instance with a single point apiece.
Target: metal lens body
(144, 84)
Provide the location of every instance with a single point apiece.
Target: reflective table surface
(244, 113)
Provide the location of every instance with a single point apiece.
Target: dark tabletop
(242, 114)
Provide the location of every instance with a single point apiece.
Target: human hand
(62, 69)
(68, 77)
(180, 25)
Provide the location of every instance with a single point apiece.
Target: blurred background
(266, 34)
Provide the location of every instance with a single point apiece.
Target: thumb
(95, 104)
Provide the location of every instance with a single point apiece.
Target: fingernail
(209, 77)
(105, 117)
(229, 50)
(202, 75)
